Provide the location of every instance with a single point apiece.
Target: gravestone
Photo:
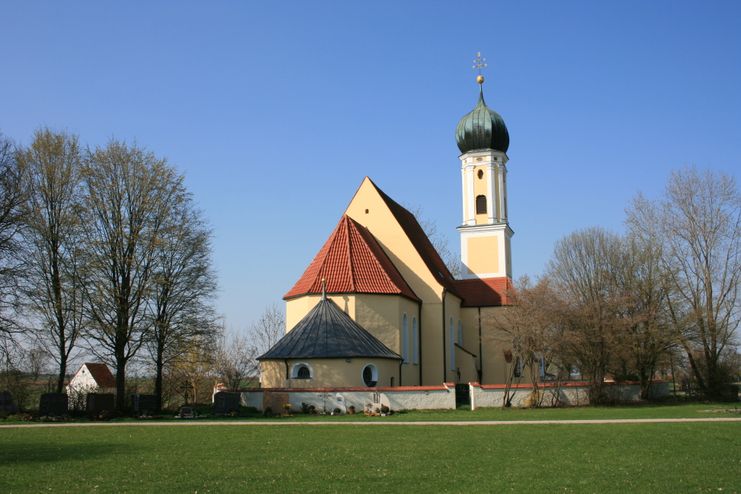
(144, 404)
(226, 403)
(99, 404)
(53, 404)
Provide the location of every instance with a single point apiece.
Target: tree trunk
(62, 373)
(120, 382)
(159, 364)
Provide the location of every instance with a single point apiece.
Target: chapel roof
(351, 261)
(327, 332)
(101, 374)
(484, 292)
(421, 242)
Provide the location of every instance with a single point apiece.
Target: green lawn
(694, 410)
(695, 457)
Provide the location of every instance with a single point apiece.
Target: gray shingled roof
(327, 332)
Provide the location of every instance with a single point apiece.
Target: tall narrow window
(452, 345)
(415, 341)
(404, 339)
(460, 333)
(480, 204)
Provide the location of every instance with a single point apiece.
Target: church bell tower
(485, 233)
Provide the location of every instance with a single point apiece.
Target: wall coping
(563, 384)
(384, 389)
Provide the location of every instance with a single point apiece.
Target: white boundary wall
(568, 394)
(327, 400)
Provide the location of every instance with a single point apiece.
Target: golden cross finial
(479, 63)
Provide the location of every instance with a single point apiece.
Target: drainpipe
(419, 340)
(401, 362)
(481, 351)
(445, 352)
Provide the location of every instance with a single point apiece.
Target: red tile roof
(484, 292)
(421, 242)
(352, 261)
(101, 374)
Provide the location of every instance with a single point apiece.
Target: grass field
(698, 457)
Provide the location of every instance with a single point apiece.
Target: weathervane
(479, 63)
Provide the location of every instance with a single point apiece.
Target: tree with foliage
(129, 196)
(183, 286)
(52, 291)
(697, 224)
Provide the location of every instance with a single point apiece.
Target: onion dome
(482, 128)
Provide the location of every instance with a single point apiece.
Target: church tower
(485, 233)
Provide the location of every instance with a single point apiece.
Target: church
(377, 306)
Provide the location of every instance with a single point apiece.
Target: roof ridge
(350, 267)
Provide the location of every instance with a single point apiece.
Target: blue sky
(275, 111)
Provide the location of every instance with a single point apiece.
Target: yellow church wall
(483, 254)
(432, 347)
(297, 308)
(495, 342)
(327, 373)
(470, 319)
(369, 209)
(453, 314)
(382, 316)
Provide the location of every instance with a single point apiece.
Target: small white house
(91, 377)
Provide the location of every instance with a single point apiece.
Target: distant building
(378, 307)
(91, 377)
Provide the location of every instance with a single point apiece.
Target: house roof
(101, 374)
(327, 332)
(484, 292)
(421, 242)
(351, 261)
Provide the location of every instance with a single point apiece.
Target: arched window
(480, 174)
(301, 371)
(480, 204)
(370, 375)
(404, 339)
(415, 341)
(452, 345)
(518, 367)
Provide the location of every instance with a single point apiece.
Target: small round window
(370, 375)
(480, 174)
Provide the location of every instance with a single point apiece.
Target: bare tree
(190, 375)
(52, 217)
(235, 361)
(129, 194)
(267, 330)
(183, 286)
(645, 337)
(531, 327)
(583, 268)
(12, 196)
(697, 224)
